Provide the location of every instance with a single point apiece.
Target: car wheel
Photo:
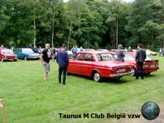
(117, 78)
(97, 77)
(25, 58)
(133, 71)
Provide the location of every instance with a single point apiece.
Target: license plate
(146, 65)
(151, 66)
(121, 70)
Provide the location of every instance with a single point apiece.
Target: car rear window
(128, 57)
(105, 57)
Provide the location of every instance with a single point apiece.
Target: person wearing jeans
(140, 58)
(63, 60)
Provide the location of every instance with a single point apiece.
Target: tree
(74, 16)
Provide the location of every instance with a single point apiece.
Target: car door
(87, 64)
(75, 66)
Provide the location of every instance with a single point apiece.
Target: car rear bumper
(33, 58)
(120, 74)
(8, 59)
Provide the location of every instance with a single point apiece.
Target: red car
(7, 55)
(149, 64)
(98, 64)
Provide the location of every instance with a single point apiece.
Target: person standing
(63, 60)
(129, 49)
(35, 49)
(45, 58)
(81, 48)
(160, 51)
(53, 51)
(140, 58)
(120, 54)
(40, 50)
(75, 50)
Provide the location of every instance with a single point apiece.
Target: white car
(150, 53)
(70, 54)
(102, 49)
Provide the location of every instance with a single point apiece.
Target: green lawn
(28, 99)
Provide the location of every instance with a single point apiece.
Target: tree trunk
(52, 41)
(70, 29)
(116, 32)
(34, 32)
(34, 27)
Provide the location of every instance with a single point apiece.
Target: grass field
(28, 99)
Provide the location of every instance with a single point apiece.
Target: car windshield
(27, 51)
(105, 57)
(7, 51)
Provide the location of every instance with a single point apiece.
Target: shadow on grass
(151, 75)
(104, 80)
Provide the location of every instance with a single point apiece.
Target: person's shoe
(46, 80)
(64, 84)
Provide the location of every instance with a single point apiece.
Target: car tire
(25, 58)
(117, 79)
(134, 71)
(97, 77)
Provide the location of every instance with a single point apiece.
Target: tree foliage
(87, 23)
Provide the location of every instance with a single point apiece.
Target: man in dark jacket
(140, 58)
(63, 60)
(120, 54)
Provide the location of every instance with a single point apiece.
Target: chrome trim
(121, 74)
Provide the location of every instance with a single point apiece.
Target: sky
(124, 0)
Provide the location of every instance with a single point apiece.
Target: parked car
(89, 49)
(26, 53)
(114, 50)
(7, 55)
(149, 64)
(102, 50)
(98, 64)
(70, 54)
(150, 53)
